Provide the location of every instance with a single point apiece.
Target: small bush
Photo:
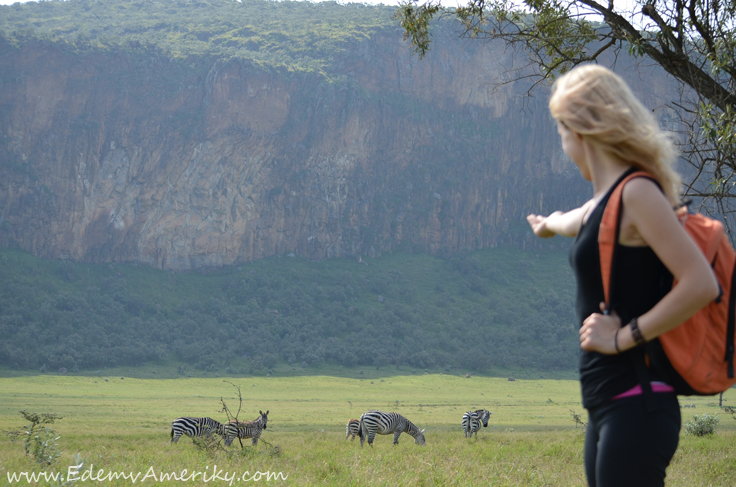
(576, 418)
(43, 447)
(40, 442)
(701, 425)
(209, 444)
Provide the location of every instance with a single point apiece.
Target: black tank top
(640, 282)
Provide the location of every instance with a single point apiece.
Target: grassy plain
(122, 425)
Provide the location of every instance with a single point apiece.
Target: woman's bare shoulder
(645, 208)
(645, 192)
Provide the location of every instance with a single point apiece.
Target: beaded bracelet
(636, 333)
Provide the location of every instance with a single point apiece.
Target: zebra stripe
(245, 429)
(472, 421)
(353, 428)
(195, 427)
(372, 422)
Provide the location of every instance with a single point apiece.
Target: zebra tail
(362, 434)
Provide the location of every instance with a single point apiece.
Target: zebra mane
(258, 420)
(480, 413)
(411, 429)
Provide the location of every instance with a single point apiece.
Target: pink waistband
(636, 390)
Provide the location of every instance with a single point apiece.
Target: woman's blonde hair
(596, 103)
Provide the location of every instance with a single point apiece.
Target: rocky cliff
(130, 155)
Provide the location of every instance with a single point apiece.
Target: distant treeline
(498, 307)
(298, 35)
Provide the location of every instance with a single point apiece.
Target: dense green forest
(298, 35)
(499, 307)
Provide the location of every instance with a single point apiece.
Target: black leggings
(627, 446)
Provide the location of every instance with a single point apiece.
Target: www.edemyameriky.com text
(75, 473)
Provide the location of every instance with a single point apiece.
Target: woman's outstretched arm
(558, 223)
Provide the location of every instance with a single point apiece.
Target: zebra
(353, 428)
(195, 427)
(472, 421)
(245, 429)
(372, 422)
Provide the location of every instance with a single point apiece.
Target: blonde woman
(608, 133)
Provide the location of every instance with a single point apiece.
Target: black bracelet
(615, 340)
(636, 333)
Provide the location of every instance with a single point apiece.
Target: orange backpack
(699, 353)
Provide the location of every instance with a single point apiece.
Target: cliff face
(130, 156)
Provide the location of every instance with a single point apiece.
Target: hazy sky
(385, 2)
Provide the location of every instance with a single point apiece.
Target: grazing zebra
(372, 422)
(353, 429)
(472, 421)
(195, 427)
(245, 429)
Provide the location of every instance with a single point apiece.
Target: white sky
(373, 2)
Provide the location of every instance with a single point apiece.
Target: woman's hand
(539, 225)
(598, 333)
(557, 223)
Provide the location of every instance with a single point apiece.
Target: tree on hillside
(692, 40)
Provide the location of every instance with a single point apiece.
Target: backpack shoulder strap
(608, 232)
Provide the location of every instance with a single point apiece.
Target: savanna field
(121, 425)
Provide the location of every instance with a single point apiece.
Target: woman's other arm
(648, 214)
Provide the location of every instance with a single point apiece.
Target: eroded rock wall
(131, 156)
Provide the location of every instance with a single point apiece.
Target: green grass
(124, 424)
(171, 370)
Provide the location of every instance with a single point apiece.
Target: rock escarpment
(126, 156)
